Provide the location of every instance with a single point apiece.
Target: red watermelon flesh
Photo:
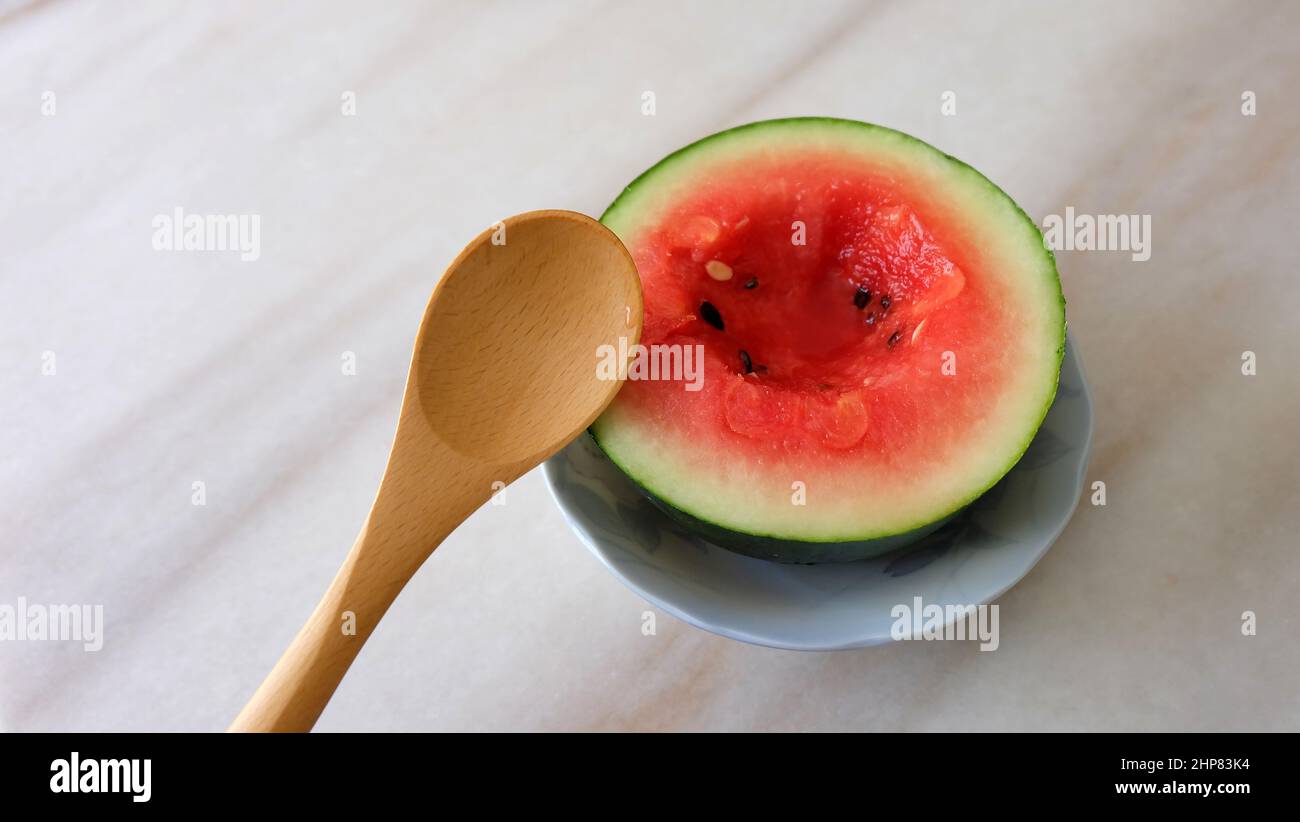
(874, 346)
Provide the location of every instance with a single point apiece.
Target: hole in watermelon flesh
(801, 325)
(821, 360)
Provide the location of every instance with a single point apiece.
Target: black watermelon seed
(894, 338)
(861, 297)
(746, 364)
(710, 315)
(885, 302)
(752, 282)
(871, 318)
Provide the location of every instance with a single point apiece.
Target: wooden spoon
(503, 376)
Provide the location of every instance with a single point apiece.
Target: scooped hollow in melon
(882, 333)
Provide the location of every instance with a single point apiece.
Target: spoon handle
(293, 695)
(414, 511)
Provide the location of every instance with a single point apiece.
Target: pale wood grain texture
(183, 367)
(503, 376)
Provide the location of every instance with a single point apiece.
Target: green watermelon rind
(784, 548)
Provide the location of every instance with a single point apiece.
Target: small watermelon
(881, 331)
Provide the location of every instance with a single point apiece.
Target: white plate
(971, 561)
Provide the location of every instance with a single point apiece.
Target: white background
(177, 367)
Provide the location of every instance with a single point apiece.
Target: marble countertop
(373, 140)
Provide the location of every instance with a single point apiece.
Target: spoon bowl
(506, 354)
(503, 376)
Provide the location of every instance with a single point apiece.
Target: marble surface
(177, 367)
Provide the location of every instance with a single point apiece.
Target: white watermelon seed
(718, 270)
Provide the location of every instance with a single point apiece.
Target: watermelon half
(881, 330)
